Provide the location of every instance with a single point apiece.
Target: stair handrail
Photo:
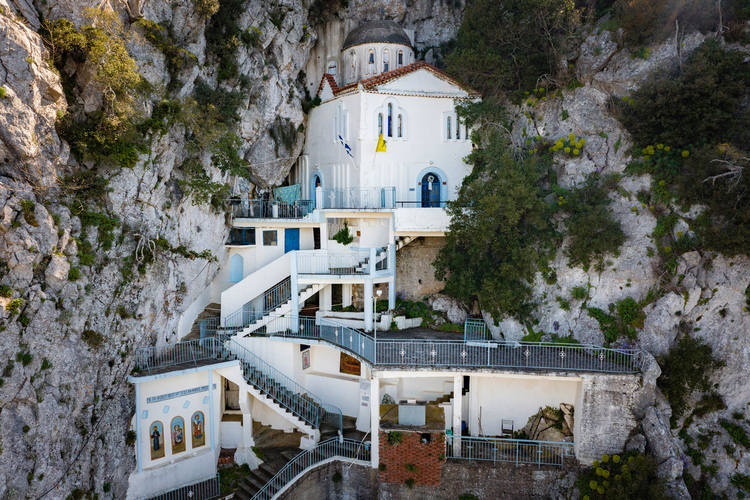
(331, 448)
(306, 405)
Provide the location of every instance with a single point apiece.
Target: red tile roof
(392, 75)
(331, 82)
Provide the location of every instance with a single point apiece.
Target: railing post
(138, 431)
(294, 287)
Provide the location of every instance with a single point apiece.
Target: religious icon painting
(198, 429)
(306, 359)
(156, 434)
(177, 427)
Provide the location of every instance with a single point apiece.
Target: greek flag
(347, 148)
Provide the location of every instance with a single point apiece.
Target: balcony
(357, 263)
(270, 209)
(357, 198)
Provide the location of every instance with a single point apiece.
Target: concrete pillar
(368, 305)
(325, 296)
(319, 199)
(324, 234)
(212, 425)
(473, 419)
(138, 430)
(373, 256)
(458, 384)
(375, 419)
(294, 286)
(346, 294)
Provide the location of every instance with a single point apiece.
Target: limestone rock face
(453, 308)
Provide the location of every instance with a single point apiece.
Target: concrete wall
(516, 398)
(485, 481)
(415, 275)
(604, 415)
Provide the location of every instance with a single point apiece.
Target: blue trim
(443, 178)
(318, 174)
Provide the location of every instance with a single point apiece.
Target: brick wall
(427, 458)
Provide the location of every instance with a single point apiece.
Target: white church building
(383, 153)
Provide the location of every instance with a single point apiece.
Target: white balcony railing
(358, 198)
(357, 262)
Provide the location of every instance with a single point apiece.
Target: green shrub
(176, 57)
(700, 104)
(741, 481)
(92, 338)
(74, 273)
(627, 477)
(625, 316)
(343, 236)
(206, 8)
(410, 482)
(337, 477)
(737, 433)
(411, 467)
(14, 306)
(130, 438)
(224, 37)
(592, 229)
(6, 291)
(25, 358)
(686, 369)
(451, 327)
(579, 292)
(3, 92)
(395, 438)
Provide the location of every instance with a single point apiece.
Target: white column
(346, 294)
(211, 408)
(138, 431)
(392, 272)
(319, 198)
(294, 286)
(375, 419)
(473, 406)
(324, 234)
(458, 384)
(368, 305)
(326, 298)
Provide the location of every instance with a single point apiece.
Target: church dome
(377, 31)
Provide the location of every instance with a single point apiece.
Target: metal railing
(519, 451)
(200, 490)
(348, 449)
(356, 262)
(381, 260)
(360, 198)
(432, 353)
(160, 356)
(270, 209)
(282, 389)
(475, 330)
(421, 204)
(251, 312)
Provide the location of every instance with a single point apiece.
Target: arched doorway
(315, 181)
(431, 190)
(236, 264)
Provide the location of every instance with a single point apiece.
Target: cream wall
(515, 398)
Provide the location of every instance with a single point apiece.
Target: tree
(493, 239)
(508, 44)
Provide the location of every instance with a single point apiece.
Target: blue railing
(433, 353)
(193, 351)
(518, 451)
(347, 449)
(360, 198)
(475, 330)
(195, 490)
(282, 389)
(270, 209)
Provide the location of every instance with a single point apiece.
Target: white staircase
(402, 241)
(284, 308)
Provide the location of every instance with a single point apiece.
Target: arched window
(458, 129)
(235, 268)
(400, 129)
(448, 128)
(353, 58)
(380, 123)
(386, 60)
(331, 67)
(370, 61)
(400, 61)
(390, 120)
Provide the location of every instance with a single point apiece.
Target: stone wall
(427, 459)
(415, 276)
(604, 414)
(484, 480)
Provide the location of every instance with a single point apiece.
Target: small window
(269, 238)
(390, 120)
(332, 68)
(458, 129)
(242, 236)
(400, 126)
(353, 57)
(400, 58)
(371, 61)
(386, 60)
(372, 58)
(380, 123)
(448, 128)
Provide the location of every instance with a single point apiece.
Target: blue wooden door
(430, 190)
(291, 239)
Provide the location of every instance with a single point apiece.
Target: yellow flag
(381, 145)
